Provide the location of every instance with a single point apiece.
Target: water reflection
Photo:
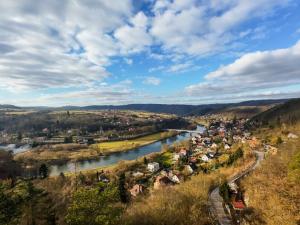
(116, 157)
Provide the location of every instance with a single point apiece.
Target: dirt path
(217, 210)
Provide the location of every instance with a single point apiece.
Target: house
(189, 169)
(193, 160)
(40, 139)
(292, 136)
(233, 187)
(210, 155)
(182, 152)
(226, 147)
(153, 167)
(137, 174)
(175, 179)
(162, 181)
(238, 205)
(27, 140)
(176, 157)
(136, 190)
(214, 146)
(205, 158)
(45, 130)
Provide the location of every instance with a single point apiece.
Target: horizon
(183, 52)
(170, 104)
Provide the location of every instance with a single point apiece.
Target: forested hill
(3, 107)
(288, 113)
(181, 110)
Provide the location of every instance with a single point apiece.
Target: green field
(115, 146)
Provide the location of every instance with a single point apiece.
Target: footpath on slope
(217, 211)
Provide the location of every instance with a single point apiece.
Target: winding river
(116, 157)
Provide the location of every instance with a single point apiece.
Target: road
(216, 209)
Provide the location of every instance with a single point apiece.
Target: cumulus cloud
(204, 28)
(152, 81)
(258, 72)
(57, 43)
(134, 37)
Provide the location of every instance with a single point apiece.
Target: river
(15, 149)
(116, 157)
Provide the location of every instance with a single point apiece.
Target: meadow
(75, 152)
(125, 145)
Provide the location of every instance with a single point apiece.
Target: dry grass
(62, 155)
(273, 197)
(186, 203)
(19, 113)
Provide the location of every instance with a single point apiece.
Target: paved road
(216, 201)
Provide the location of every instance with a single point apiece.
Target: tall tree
(43, 171)
(94, 207)
(122, 188)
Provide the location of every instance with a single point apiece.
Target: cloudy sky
(82, 52)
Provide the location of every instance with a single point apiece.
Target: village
(81, 127)
(220, 144)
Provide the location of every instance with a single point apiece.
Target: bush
(94, 207)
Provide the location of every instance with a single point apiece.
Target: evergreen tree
(43, 171)
(145, 161)
(122, 188)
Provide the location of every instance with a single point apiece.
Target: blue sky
(76, 52)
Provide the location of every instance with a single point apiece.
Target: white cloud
(152, 81)
(177, 68)
(57, 44)
(134, 37)
(204, 28)
(258, 72)
(128, 61)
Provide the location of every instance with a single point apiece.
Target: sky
(99, 52)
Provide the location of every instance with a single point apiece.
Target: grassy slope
(186, 203)
(274, 189)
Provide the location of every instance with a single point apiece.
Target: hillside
(8, 107)
(242, 111)
(288, 113)
(181, 110)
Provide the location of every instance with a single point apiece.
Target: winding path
(216, 209)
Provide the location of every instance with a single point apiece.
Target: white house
(189, 169)
(293, 136)
(214, 145)
(227, 147)
(153, 167)
(175, 179)
(205, 158)
(176, 157)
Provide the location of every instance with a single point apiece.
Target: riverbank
(126, 145)
(60, 154)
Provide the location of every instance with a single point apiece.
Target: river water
(15, 149)
(116, 157)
